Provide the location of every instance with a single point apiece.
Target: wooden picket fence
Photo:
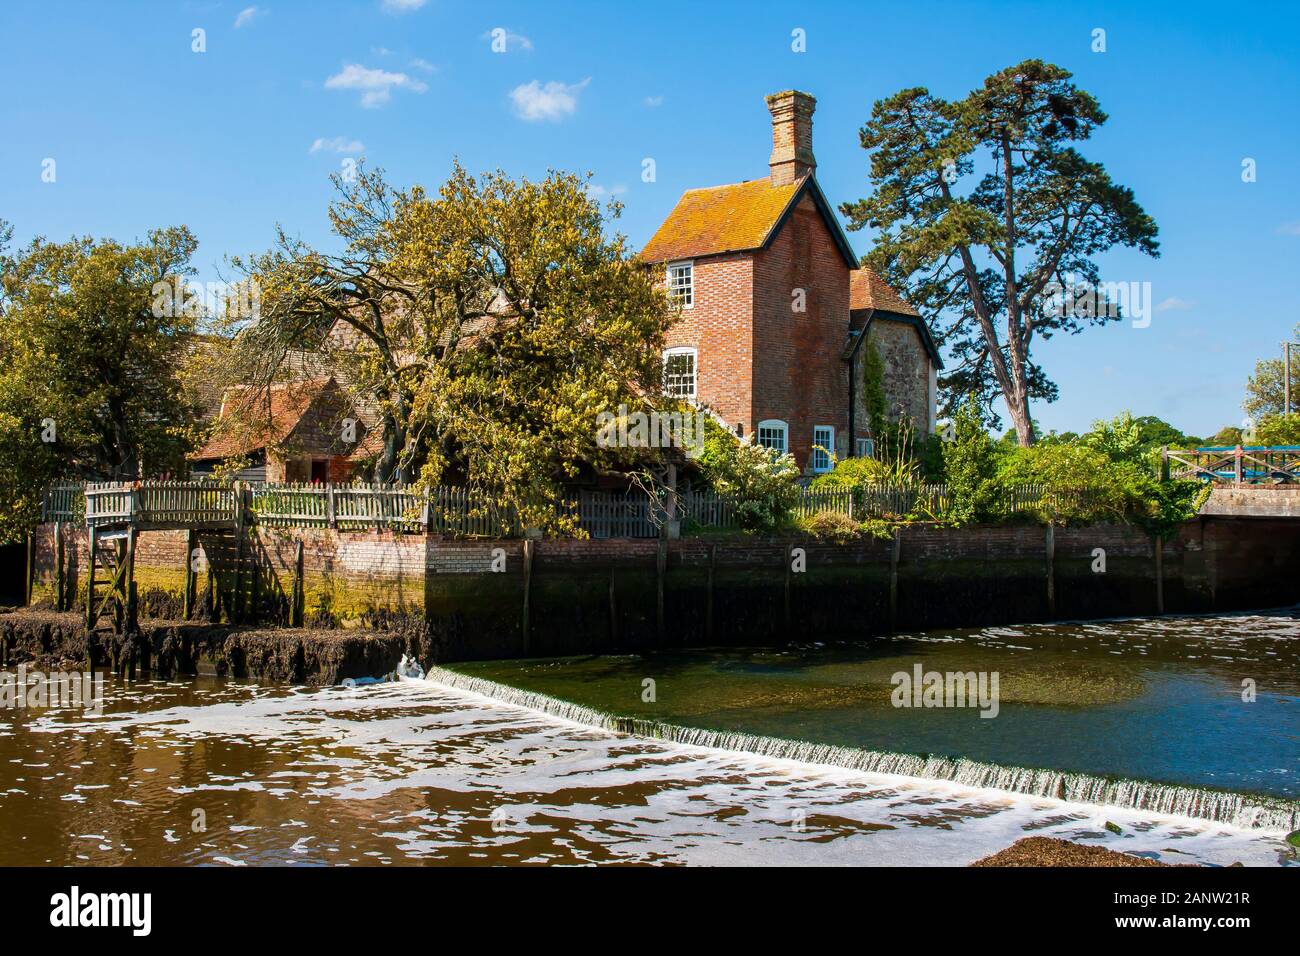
(464, 512)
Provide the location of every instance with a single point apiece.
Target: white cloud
(420, 63)
(1174, 303)
(337, 144)
(652, 101)
(247, 15)
(403, 6)
(601, 192)
(376, 86)
(554, 101)
(1290, 228)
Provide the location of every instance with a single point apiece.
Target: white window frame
(821, 457)
(695, 371)
(866, 448)
(682, 293)
(773, 424)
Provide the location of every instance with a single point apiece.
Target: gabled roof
(263, 426)
(740, 217)
(870, 295)
(868, 291)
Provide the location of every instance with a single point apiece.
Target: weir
(1194, 802)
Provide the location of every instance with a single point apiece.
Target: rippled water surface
(389, 773)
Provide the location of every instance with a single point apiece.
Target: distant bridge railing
(1237, 464)
(464, 512)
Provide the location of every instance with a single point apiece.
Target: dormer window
(681, 283)
(679, 372)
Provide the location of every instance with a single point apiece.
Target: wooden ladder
(110, 580)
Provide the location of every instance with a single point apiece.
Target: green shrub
(853, 473)
(831, 526)
(970, 464)
(762, 479)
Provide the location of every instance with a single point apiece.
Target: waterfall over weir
(1240, 810)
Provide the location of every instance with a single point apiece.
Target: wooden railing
(1240, 464)
(462, 512)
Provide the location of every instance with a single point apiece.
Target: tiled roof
(868, 291)
(247, 424)
(719, 219)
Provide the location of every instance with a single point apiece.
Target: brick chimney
(792, 155)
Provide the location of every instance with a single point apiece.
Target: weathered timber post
(191, 539)
(613, 610)
(31, 569)
(1050, 541)
(708, 610)
(117, 587)
(786, 592)
(329, 505)
(528, 584)
(1164, 462)
(90, 581)
(1237, 453)
(58, 566)
(236, 609)
(298, 601)
(661, 564)
(893, 579)
(132, 608)
(1160, 573)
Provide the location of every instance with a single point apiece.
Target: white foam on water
(574, 791)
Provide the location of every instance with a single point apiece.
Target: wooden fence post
(329, 505)
(1051, 570)
(528, 583)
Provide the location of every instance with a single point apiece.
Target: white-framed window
(679, 372)
(866, 448)
(772, 434)
(681, 283)
(823, 451)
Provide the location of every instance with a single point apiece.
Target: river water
(230, 773)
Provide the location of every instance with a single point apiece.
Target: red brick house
(296, 431)
(774, 308)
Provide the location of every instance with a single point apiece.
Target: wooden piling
(298, 600)
(1050, 542)
(613, 611)
(1160, 574)
(528, 583)
(191, 581)
(786, 593)
(128, 592)
(708, 611)
(60, 581)
(92, 537)
(893, 578)
(661, 565)
(31, 569)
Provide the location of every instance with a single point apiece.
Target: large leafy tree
(988, 256)
(489, 323)
(89, 364)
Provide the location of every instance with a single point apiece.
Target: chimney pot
(792, 155)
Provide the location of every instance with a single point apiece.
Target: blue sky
(145, 132)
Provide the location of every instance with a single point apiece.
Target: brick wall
(799, 376)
